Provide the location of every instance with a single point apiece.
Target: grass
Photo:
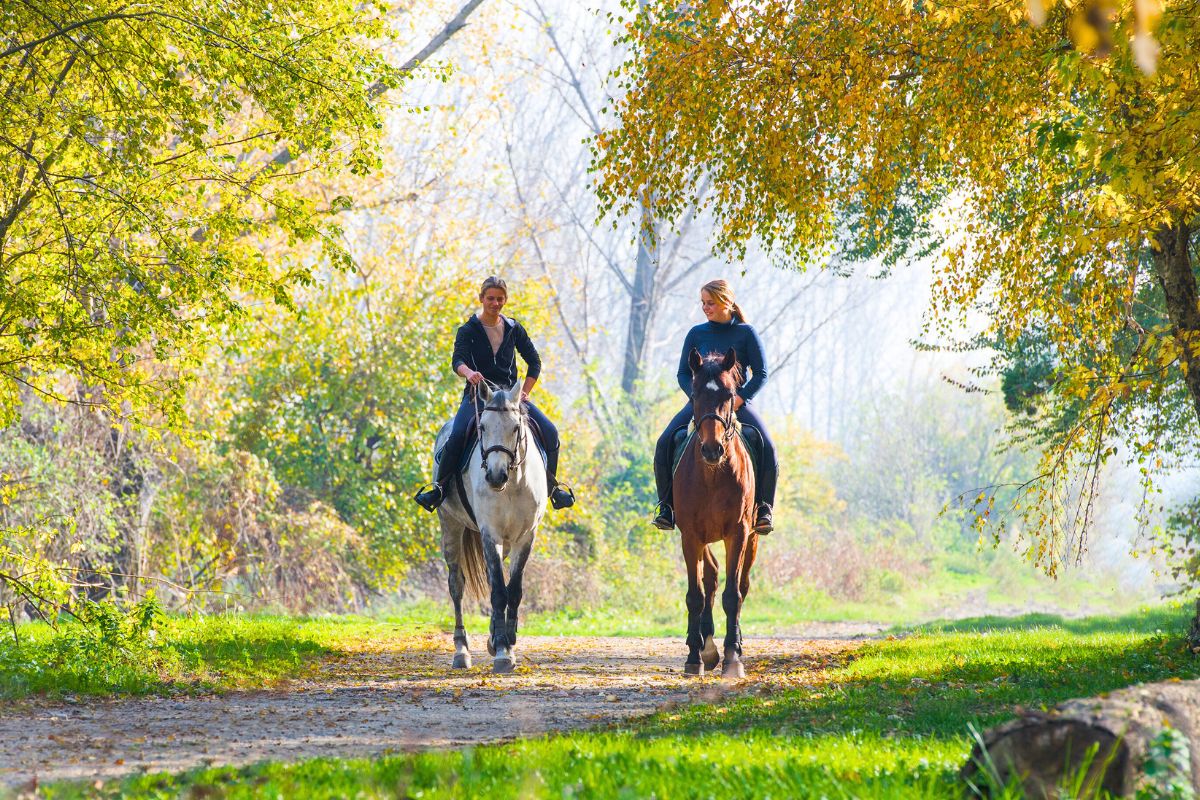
(187, 654)
(987, 580)
(218, 652)
(891, 722)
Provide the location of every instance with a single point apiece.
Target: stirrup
(763, 524)
(561, 496)
(430, 496)
(665, 521)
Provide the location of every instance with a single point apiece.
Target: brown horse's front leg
(731, 601)
(695, 605)
(708, 628)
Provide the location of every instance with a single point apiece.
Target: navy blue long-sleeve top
(716, 337)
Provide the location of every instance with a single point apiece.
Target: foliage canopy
(1068, 177)
(141, 148)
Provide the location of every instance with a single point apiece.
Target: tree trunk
(1173, 268)
(1118, 740)
(641, 299)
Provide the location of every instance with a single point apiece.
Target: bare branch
(452, 27)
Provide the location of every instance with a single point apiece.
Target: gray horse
(506, 487)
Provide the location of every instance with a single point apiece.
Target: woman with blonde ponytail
(726, 328)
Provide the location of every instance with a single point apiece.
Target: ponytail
(722, 292)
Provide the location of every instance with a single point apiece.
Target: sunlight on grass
(890, 722)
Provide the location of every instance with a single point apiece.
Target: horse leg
(516, 572)
(462, 645)
(452, 552)
(731, 601)
(747, 561)
(497, 641)
(692, 548)
(707, 626)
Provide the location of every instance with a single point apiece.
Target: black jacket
(473, 348)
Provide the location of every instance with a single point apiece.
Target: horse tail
(472, 564)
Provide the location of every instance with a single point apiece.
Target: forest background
(265, 460)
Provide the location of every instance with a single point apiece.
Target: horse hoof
(503, 665)
(709, 654)
(462, 661)
(693, 669)
(733, 670)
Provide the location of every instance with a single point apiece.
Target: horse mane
(713, 361)
(505, 397)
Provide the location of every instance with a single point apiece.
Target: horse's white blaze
(712, 386)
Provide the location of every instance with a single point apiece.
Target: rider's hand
(475, 378)
(524, 396)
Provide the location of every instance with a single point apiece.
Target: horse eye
(516, 428)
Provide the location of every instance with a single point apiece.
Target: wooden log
(1119, 737)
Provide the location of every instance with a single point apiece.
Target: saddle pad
(750, 437)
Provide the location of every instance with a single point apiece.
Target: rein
(522, 434)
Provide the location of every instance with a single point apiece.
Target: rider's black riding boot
(429, 499)
(763, 524)
(560, 496)
(665, 520)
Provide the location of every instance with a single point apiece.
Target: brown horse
(714, 501)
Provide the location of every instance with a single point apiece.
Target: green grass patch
(892, 722)
(184, 654)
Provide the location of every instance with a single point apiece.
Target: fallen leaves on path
(388, 692)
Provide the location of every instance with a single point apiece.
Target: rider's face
(493, 300)
(712, 309)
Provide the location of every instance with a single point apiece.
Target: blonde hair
(493, 282)
(722, 293)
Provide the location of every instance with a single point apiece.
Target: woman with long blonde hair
(725, 329)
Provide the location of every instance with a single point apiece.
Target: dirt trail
(372, 701)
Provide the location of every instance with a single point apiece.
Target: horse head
(715, 381)
(501, 433)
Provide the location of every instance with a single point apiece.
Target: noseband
(728, 421)
(513, 463)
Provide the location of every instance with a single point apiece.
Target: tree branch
(452, 27)
(63, 31)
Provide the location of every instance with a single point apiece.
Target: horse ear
(485, 391)
(694, 360)
(730, 360)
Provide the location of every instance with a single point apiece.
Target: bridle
(513, 461)
(729, 421)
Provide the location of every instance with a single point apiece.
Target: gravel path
(378, 700)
